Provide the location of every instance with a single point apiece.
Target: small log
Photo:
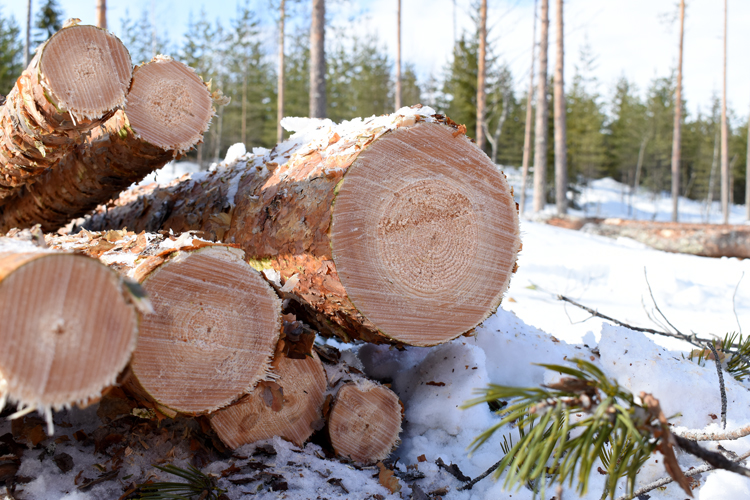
(418, 247)
(216, 321)
(289, 407)
(68, 327)
(169, 108)
(707, 240)
(77, 78)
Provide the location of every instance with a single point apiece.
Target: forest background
(609, 123)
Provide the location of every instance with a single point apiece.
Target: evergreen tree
(49, 20)
(459, 93)
(626, 135)
(411, 92)
(297, 71)
(11, 54)
(142, 38)
(659, 125)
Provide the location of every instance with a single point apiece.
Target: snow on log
(169, 108)
(289, 407)
(69, 327)
(77, 78)
(708, 240)
(391, 229)
(216, 321)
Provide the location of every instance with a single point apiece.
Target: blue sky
(628, 37)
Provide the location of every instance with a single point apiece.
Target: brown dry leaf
(387, 479)
(421, 458)
(37, 435)
(272, 394)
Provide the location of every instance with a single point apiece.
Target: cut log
(289, 407)
(68, 327)
(216, 321)
(708, 240)
(77, 78)
(418, 247)
(169, 108)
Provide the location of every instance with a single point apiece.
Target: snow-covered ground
(696, 294)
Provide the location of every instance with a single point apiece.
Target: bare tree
(677, 136)
(398, 56)
(101, 13)
(561, 152)
(27, 44)
(542, 117)
(280, 81)
(482, 73)
(318, 60)
(724, 134)
(527, 132)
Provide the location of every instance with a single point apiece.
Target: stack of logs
(204, 296)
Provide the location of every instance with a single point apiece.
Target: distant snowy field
(696, 293)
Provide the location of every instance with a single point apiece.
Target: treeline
(610, 131)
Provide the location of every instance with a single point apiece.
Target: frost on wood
(390, 229)
(75, 80)
(68, 330)
(289, 407)
(169, 109)
(215, 325)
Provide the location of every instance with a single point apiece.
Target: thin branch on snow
(734, 296)
(698, 435)
(666, 480)
(718, 460)
(481, 476)
(719, 371)
(645, 275)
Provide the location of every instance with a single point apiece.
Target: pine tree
(660, 123)
(49, 20)
(138, 37)
(459, 91)
(626, 134)
(411, 92)
(11, 54)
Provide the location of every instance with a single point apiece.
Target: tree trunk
(169, 109)
(712, 177)
(101, 14)
(677, 137)
(318, 60)
(289, 407)
(281, 77)
(482, 73)
(215, 325)
(69, 327)
(398, 56)
(27, 40)
(403, 255)
(542, 117)
(747, 173)
(76, 79)
(527, 128)
(561, 150)
(724, 134)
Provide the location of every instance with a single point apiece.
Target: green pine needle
(198, 485)
(565, 427)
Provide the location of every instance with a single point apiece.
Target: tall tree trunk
(66, 91)
(403, 225)
(101, 13)
(677, 136)
(482, 73)
(318, 60)
(281, 75)
(529, 114)
(169, 109)
(398, 56)
(561, 150)
(724, 134)
(712, 176)
(542, 117)
(27, 41)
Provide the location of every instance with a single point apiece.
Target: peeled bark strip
(289, 407)
(216, 321)
(418, 247)
(69, 327)
(78, 77)
(169, 109)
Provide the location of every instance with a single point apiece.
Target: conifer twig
(719, 371)
(650, 292)
(698, 435)
(666, 480)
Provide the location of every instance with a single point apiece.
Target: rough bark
(481, 74)
(215, 325)
(561, 150)
(289, 407)
(677, 136)
(724, 134)
(69, 326)
(529, 114)
(542, 117)
(708, 240)
(318, 60)
(418, 248)
(75, 81)
(169, 109)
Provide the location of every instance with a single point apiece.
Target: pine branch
(698, 435)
